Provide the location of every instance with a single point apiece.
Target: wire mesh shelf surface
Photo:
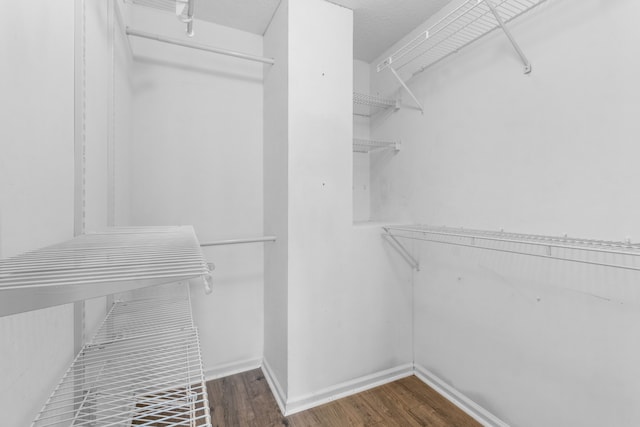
(373, 100)
(367, 105)
(131, 373)
(606, 253)
(98, 264)
(466, 23)
(361, 145)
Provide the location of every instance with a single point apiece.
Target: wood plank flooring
(246, 400)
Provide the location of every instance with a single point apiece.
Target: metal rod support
(527, 64)
(395, 243)
(190, 17)
(395, 73)
(191, 45)
(239, 241)
(486, 240)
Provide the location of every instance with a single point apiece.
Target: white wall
(276, 201)
(122, 121)
(347, 324)
(37, 175)
(536, 342)
(197, 159)
(36, 190)
(361, 124)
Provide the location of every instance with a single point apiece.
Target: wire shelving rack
(99, 264)
(367, 105)
(606, 253)
(143, 367)
(362, 145)
(465, 24)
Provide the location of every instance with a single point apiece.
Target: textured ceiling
(378, 24)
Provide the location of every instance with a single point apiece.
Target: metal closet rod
(239, 241)
(198, 46)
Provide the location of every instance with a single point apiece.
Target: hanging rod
(239, 241)
(552, 247)
(198, 46)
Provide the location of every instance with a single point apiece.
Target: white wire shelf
(615, 254)
(99, 264)
(463, 25)
(132, 373)
(183, 9)
(367, 105)
(361, 145)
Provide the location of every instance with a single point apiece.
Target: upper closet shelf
(605, 253)
(367, 105)
(361, 145)
(182, 8)
(99, 264)
(461, 24)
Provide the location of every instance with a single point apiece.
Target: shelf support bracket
(399, 247)
(404, 85)
(527, 64)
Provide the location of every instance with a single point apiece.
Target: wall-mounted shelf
(361, 145)
(615, 254)
(459, 27)
(183, 9)
(143, 367)
(99, 264)
(367, 105)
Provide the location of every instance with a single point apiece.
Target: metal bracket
(404, 85)
(399, 247)
(184, 12)
(527, 64)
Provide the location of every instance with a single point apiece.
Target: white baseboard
(476, 411)
(357, 385)
(348, 388)
(231, 368)
(274, 385)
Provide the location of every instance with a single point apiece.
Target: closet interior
(340, 194)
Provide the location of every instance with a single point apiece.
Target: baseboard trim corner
(233, 368)
(274, 385)
(348, 388)
(476, 411)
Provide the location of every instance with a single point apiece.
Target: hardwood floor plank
(427, 416)
(445, 409)
(245, 400)
(392, 412)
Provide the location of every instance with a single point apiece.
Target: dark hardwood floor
(246, 400)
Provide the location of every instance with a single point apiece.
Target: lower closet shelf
(143, 367)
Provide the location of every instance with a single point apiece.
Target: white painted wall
(36, 190)
(37, 177)
(536, 342)
(98, 71)
(197, 159)
(276, 201)
(347, 324)
(361, 197)
(123, 122)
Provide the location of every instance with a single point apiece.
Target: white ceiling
(378, 24)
